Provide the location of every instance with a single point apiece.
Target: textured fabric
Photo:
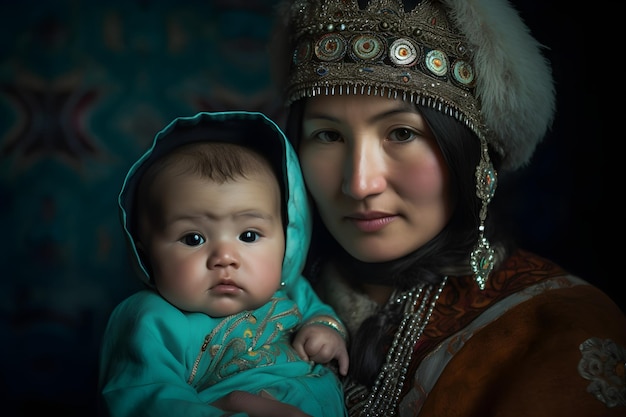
(525, 363)
(515, 349)
(159, 361)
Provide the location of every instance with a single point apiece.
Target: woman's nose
(223, 255)
(364, 171)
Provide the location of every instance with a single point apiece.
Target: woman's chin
(376, 253)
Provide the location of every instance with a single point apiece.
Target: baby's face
(216, 248)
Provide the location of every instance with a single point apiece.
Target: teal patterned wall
(84, 86)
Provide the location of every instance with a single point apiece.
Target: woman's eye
(402, 135)
(249, 236)
(327, 136)
(192, 239)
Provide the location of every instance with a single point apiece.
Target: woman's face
(376, 174)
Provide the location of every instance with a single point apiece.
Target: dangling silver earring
(482, 257)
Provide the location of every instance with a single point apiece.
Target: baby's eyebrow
(256, 214)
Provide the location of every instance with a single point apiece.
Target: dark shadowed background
(85, 85)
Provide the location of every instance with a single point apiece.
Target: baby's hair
(216, 161)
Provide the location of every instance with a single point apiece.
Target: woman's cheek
(427, 180)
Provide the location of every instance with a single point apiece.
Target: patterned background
(85, 85)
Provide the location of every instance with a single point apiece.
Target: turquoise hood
(252, 129)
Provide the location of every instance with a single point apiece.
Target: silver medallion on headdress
(417, 55)
(474, 60)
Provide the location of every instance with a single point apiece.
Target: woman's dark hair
(451, 247)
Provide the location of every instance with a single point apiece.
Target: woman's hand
(263, 405)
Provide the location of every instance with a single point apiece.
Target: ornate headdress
(474, 60)
(471, 59)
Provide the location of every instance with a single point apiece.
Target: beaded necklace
(418, 304)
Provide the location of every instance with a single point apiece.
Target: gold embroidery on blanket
(248, 340)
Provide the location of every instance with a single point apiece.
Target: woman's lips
(371, 222)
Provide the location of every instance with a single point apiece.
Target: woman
(403, 115)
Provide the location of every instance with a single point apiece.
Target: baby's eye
(327, 136)
(402, 135)
(193, 239)
(249, 236)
